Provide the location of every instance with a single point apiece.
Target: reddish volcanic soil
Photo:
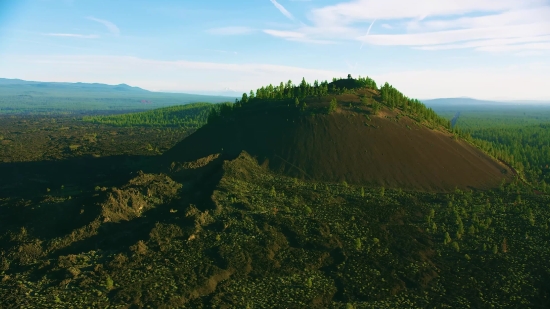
(346, 146)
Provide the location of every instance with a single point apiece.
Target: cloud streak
(296, 36)
(109, 25)
(282, 9)
(364, 10)
(368, 31)
(451, 36)
(423, 24)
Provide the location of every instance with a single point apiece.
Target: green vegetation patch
(260, 240)
(189, 116)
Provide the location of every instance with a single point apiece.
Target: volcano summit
(344, 131)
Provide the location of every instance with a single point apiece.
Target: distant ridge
(65, 85)
(470, 101)
(21, 97)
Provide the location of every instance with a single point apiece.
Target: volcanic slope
(359, 141)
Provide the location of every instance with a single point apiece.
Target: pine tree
(375, 108)
(447, 238)
(333, 105)
(504, 246)
(456, 246)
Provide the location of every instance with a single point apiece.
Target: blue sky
(487, 49)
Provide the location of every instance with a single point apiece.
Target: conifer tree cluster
(289, 91)
(525, 148)
(393, 98)
(390, 97)
(188, 116)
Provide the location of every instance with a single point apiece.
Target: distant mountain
(474, 102)
(18, 84)
(20, 96)
(460, 101)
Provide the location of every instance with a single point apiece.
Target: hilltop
(344, 131)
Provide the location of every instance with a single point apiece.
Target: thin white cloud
(368, 31)
(422, 24)
(507, 18)
(230, 30)
(110, 26)
(487, 43)
(296, 36)
(445, 37)
(517, 47)
(364, 10)
(370, 27)
(74, 35)
(282, 9)
(285, 34)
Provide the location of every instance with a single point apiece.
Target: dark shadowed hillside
(350, 144)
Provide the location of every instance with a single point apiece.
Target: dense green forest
(393, 98)
(517, 135)
(271, 242)
(189, 116)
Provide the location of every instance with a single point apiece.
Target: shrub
(375, 108)
(333, 105)
(456, 246)
(358, 243)
(109, 283)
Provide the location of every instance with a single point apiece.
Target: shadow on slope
(389, 149)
